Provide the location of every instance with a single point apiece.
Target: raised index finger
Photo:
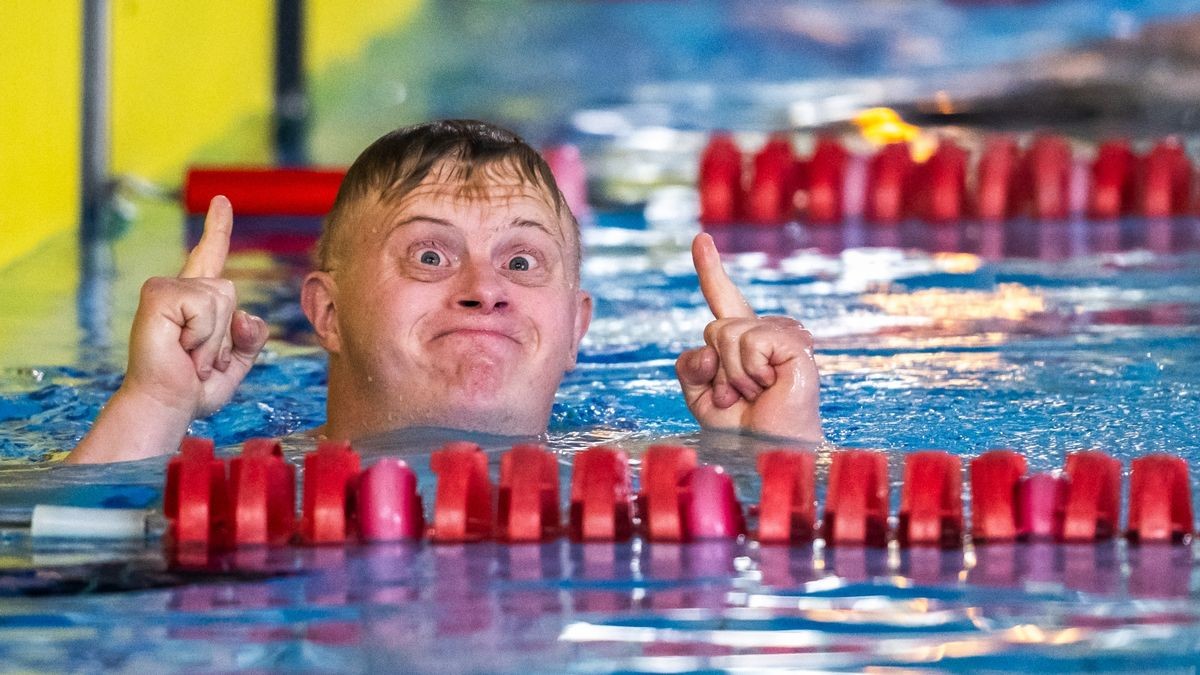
(208, 258)
(723, 297)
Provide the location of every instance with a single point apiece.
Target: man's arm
(753, 373)
(189, 348)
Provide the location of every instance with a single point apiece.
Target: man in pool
(447, 294)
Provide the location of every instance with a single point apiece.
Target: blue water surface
(1042, 337)
(1048, 339)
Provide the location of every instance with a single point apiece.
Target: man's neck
(354, 411)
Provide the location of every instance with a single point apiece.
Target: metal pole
(291, 95)
(95, 181)
(94, 302)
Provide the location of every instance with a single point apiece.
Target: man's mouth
(477, 333)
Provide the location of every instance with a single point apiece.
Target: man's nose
(481, 287)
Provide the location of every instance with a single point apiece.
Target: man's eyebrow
(517, 222)
(525, 222)
(417, 219)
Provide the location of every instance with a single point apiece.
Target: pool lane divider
(679, 500)
(1042, 178)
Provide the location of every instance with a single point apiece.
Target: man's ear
(317, 298)
(583, 319)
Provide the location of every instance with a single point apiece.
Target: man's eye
(521, 263)
(432, 258)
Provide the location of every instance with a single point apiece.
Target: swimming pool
(1046, 338)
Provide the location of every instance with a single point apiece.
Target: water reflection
(1053, 241)
(633, 605)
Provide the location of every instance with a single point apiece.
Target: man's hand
(189, 348)
(753, 373)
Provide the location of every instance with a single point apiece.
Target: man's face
(458, 308)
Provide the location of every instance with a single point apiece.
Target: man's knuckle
(224, 303)
(212, 302)
(155, 286)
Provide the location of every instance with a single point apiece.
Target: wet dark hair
(396, 163)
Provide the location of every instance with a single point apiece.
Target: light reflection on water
(566, 607)
(1046, 353)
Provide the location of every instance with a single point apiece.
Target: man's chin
(482, 397)
(489, 420)
(489, 410)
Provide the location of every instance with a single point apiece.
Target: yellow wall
(186, 74)
(191, 82)
(39, 122)
(338, 30)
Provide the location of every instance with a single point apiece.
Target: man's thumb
(697, 367)
(249, 334)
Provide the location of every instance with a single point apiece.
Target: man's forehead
(511, 193)
(503, 193)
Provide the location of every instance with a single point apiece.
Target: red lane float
(280, 209)
(856, 505)
(1040, 181)
(601, 507)
(679, 500)
(463, 507)
(787, 508)
(330, 474)
(1093, 496)
(994, 478)
(1165, 180)
(663, 487)
(527, 508)
(826, 182)
(1160, 500)
(195, 501)
(1113, 181)
(888, 177)
(1047, 177)
(769, 198)
(931, 510)
(262, 488)
(997, 178)
(939, 193)
(720, 181)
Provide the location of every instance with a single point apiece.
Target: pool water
(1045, 338)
